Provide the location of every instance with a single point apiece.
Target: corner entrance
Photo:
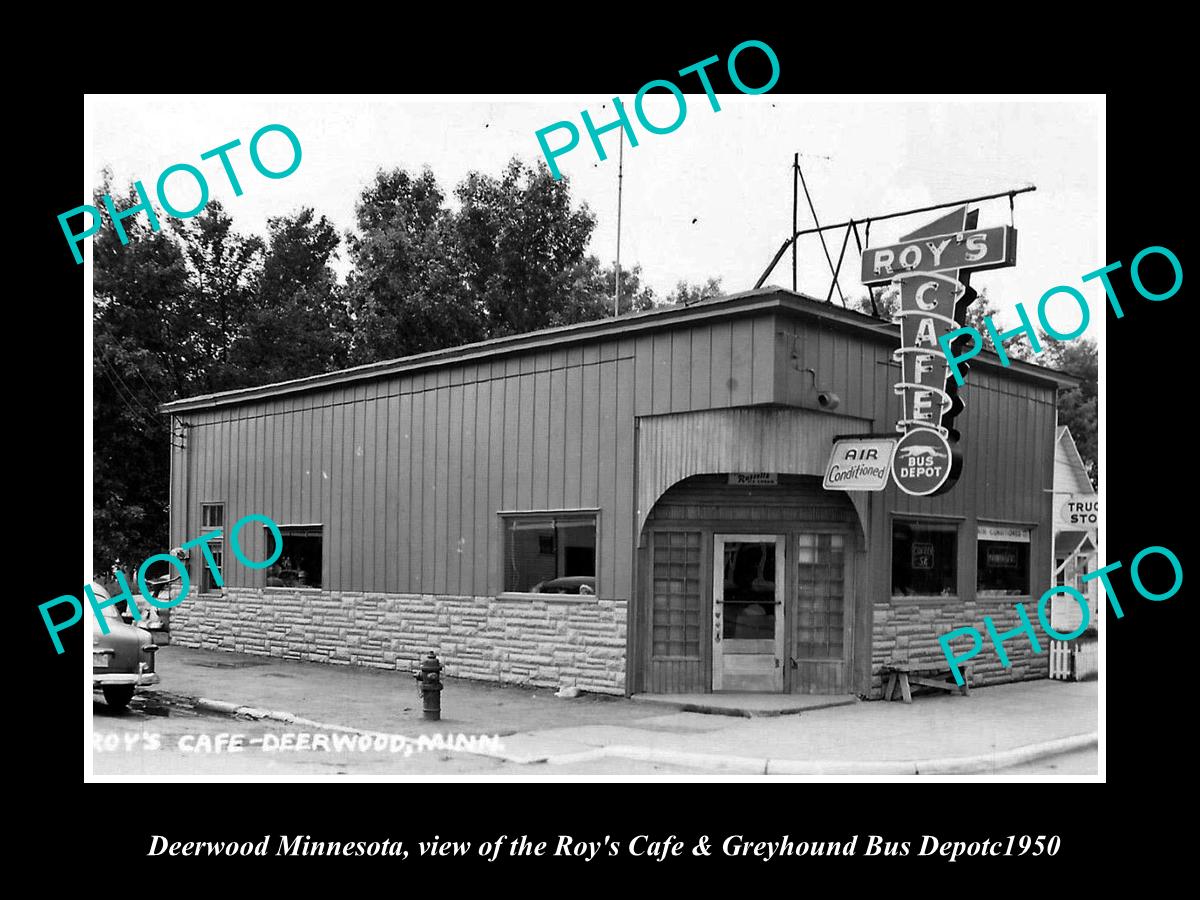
(748, 589)
(748, 611)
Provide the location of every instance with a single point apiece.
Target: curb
(224, 707)
(961, 765)
(742, 712)
(717, 762)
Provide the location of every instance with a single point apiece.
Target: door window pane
(749, 590)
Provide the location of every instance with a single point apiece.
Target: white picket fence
(1073, 661)
(1087, 660)
(1060, 660)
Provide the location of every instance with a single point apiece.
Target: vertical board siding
(407, 472)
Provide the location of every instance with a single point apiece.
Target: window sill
(291, 590)
(924, 598)
(548, 598)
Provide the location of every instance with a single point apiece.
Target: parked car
(572, 584)
(123, 659)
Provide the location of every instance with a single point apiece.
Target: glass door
(748, 592)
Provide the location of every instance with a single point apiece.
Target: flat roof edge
(742, 303)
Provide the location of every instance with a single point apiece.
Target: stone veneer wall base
(909, 631)
(523, 642)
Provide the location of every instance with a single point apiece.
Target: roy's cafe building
(639, 504)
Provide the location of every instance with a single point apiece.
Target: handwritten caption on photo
(298, 741)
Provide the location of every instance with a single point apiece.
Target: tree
(1078, 406)
(139, 360)
(407, 292)
(297, 323)
(512, 259)
(685, 294)
(523, 249)
(224, 270)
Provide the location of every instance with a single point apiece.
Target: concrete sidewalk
(942, 733)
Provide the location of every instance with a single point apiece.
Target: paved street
(163, 735)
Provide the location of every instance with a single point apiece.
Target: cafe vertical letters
(932, 267)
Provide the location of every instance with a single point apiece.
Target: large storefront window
(1003, 561)
(550, 554)
(924, 558)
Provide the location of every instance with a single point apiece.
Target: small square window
(212, 515)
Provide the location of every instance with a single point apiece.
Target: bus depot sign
(932, 267)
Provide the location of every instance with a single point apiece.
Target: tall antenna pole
(620, 177)
(795, 203)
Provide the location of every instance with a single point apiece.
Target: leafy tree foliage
(685, 294)
(296, 322)
(1078, 406)
(523, 249)
(406, 291)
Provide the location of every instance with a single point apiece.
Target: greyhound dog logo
(921, 450)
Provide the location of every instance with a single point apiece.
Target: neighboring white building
(1076, 520)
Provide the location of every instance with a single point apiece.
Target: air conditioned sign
(859, 464)
(931, 267)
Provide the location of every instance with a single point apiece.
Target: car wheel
(117, 696)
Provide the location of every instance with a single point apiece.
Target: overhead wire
(130, 400)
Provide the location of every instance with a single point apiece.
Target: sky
(711, 199)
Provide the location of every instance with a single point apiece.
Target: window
(1081, 569)
(299, 563)
(212, 518)
(924, 558)
(821, 593)
(1002, 563)
(676, 594)
(550, 554)
(1060, 571)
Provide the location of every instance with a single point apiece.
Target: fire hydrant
(429, 686)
